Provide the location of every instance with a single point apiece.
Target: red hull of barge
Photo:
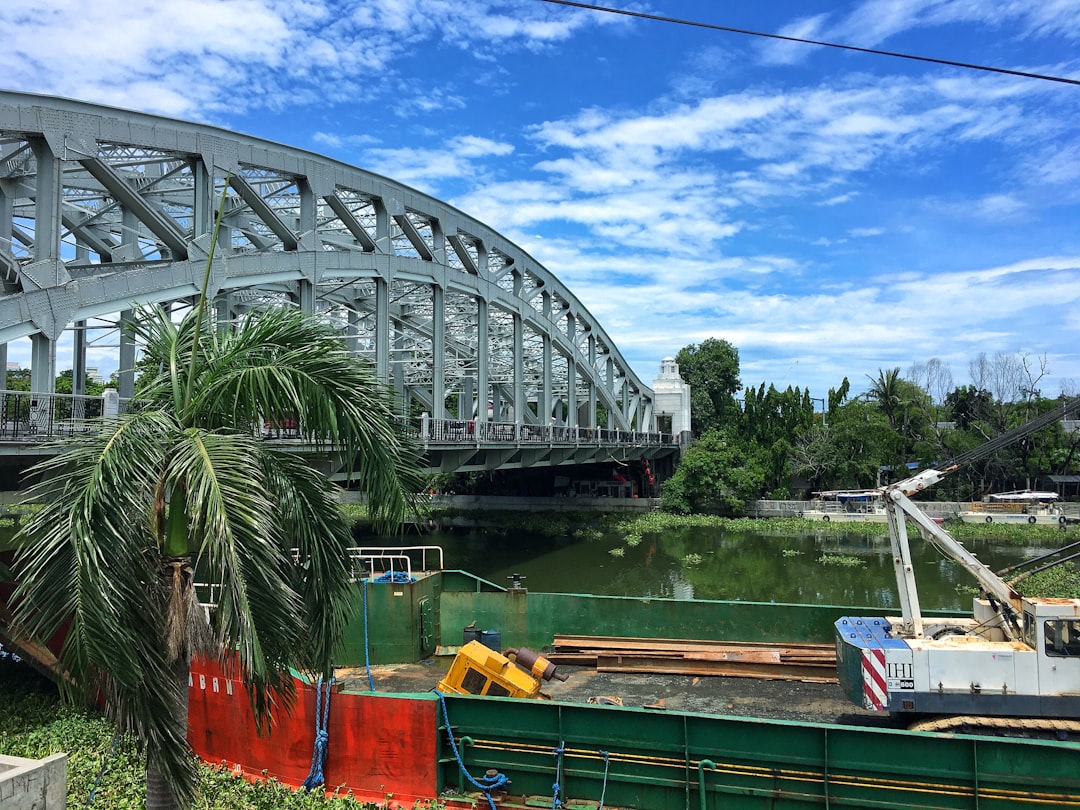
(378, 745)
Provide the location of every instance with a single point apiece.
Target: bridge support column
(305, 292)
(126, 371)
(42, 364)
(466, 399)
(47, 197)
(519, 370)
(382, 329)
(571, 375)
(590, 412)
(543, 397)
(78, 359)
(438, 350)
(483, 349)
(7, 210)
(202, 220)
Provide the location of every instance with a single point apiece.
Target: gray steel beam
(157, 222)
(359, 232)
(414, 237)
(264, 212)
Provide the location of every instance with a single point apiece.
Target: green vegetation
(842, 560)
(761, 442)
(1061, 582)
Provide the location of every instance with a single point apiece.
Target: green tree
(772, 421)
(847, 453)
(910, 414)
(182, 485)
(714, 474)
(712, 371)
(887, 391)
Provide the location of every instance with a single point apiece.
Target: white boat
(1022, 506)
(847, 506)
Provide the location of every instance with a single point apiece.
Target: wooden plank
(628, 642)
(666, 666)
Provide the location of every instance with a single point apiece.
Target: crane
(1013, 666)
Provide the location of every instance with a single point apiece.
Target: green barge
(435, 750)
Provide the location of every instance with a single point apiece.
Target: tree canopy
(785, 446)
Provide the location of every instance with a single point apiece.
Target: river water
(711, 563)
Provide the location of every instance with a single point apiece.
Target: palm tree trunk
(158, 794)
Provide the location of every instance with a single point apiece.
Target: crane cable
(730, 29)
(1009, 436)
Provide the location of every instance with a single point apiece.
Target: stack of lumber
(791, 662)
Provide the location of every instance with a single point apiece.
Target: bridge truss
(102, 209)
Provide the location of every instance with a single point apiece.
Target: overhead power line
(712, 26)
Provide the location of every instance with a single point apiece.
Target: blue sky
(829, 213)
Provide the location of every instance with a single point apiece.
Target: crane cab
(965, 666)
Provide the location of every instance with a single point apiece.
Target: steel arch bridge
(102, 209)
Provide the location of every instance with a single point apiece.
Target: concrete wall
(33, 784)
(524, 504)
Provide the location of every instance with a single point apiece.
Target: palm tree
(888, 392)
(182, 488)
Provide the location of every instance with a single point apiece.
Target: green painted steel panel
(661, 761)
(395, 622)
(532, 619)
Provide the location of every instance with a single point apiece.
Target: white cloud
(205, 59)
(872, 22)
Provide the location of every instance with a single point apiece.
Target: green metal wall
(532, 619)
(401, 623)
(397, 623)
(659, 761)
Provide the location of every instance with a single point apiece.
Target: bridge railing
(471, 431)
(28, 416)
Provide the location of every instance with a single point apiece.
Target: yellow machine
(478, 670)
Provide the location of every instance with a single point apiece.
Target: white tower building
(671, 397)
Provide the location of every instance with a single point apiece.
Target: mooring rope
(603, 790)
(322, 737)
(556, 802)
(367, 658)
(485, 783)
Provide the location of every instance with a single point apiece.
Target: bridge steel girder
(458, 318)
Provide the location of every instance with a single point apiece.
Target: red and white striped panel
(875, 691)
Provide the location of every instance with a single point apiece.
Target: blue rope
(322, 737)
(485, 783)
(396, 577)
(367, 659)
(104, 767)
(556, 802)
(603, 790)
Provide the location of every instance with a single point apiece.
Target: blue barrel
(470, 634)
(492, 639)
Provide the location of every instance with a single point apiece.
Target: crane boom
(899, 506)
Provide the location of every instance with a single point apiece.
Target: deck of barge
(716, 695)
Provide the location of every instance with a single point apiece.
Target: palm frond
(312, 523)
(233, 525)
(87, 564)
(93, 559)
(284, 364)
